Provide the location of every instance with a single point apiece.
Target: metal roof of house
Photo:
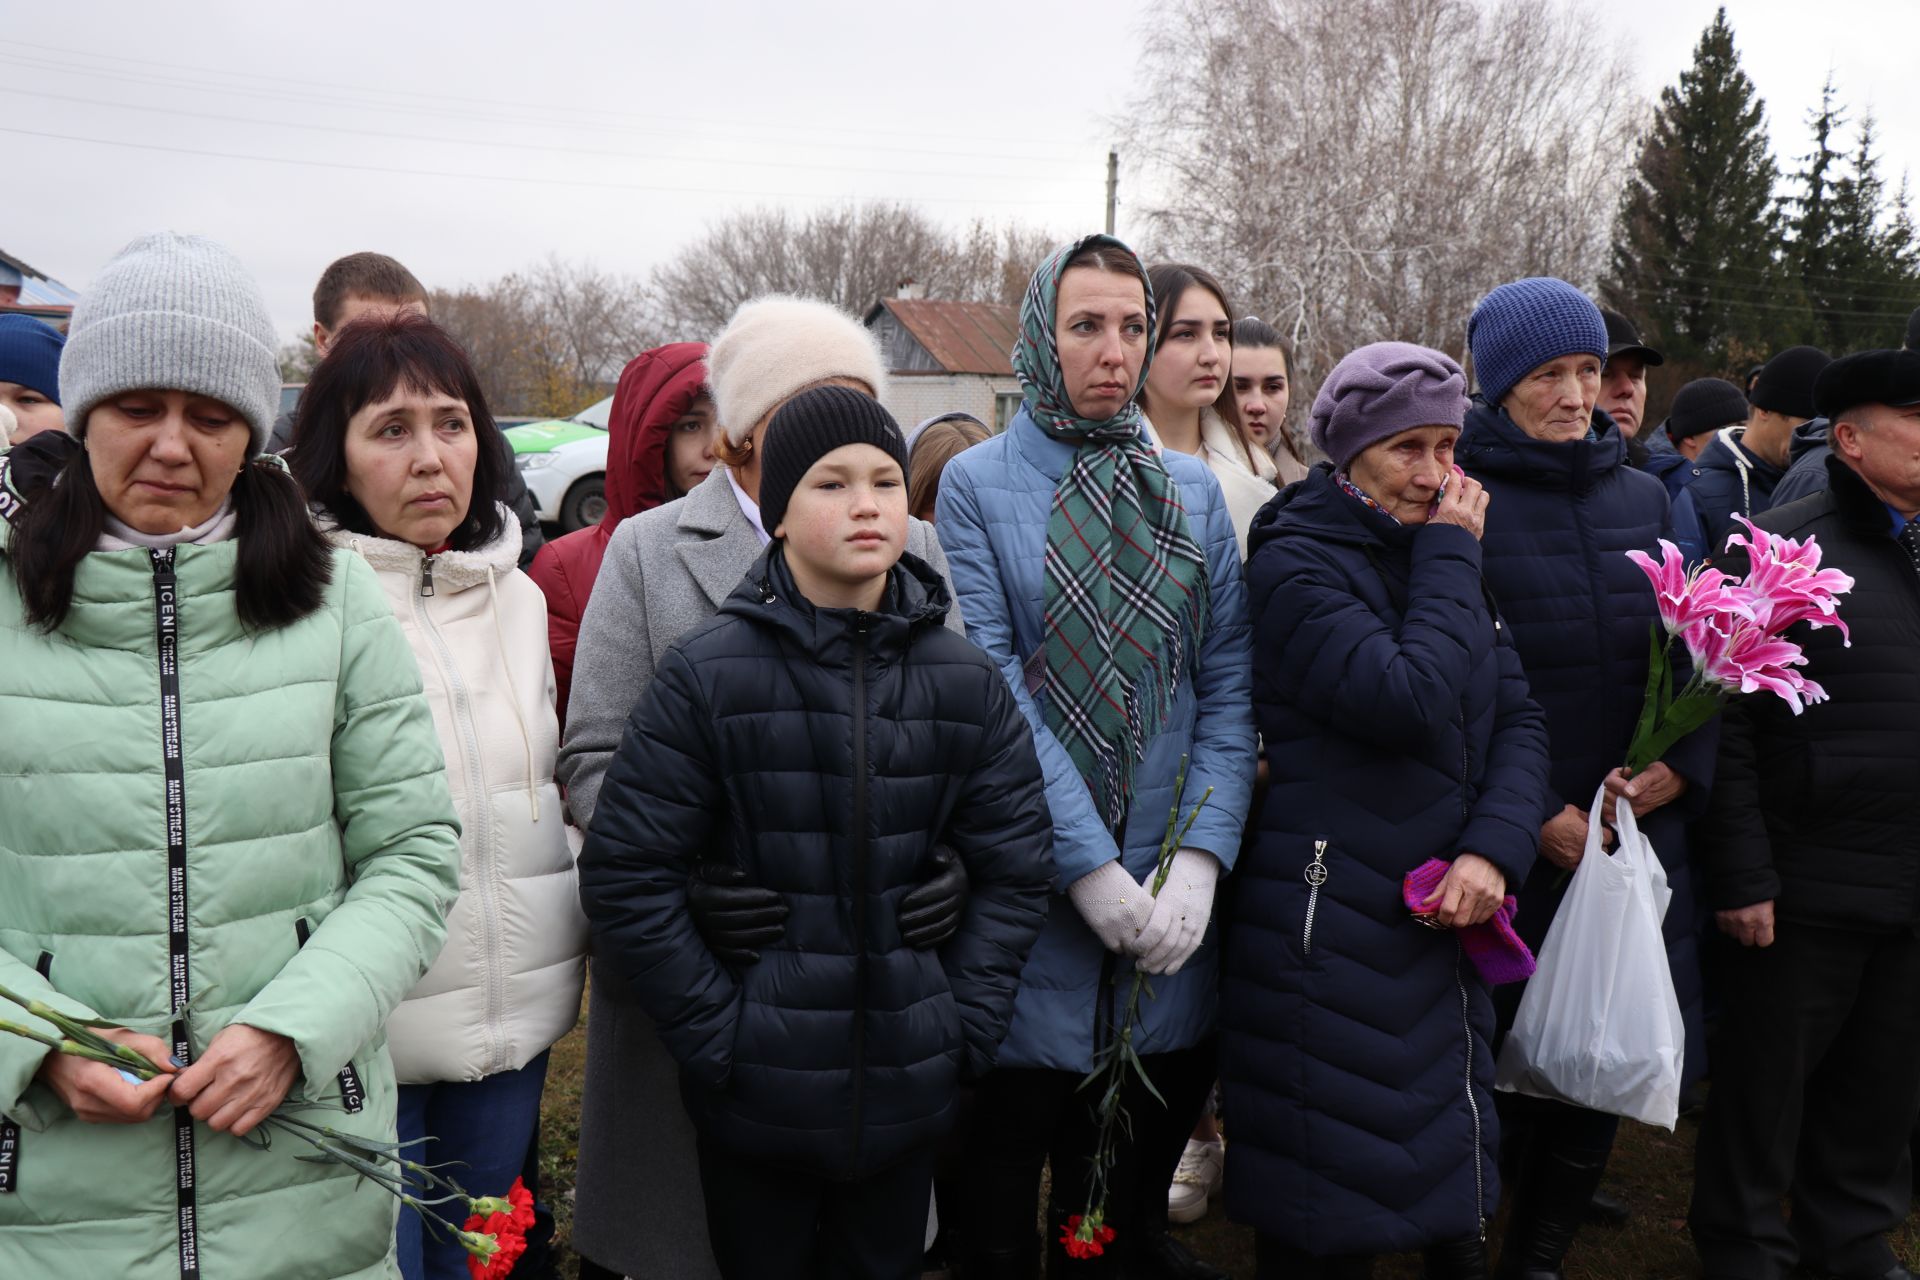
(963, 337)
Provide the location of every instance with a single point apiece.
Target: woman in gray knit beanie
(213, 692)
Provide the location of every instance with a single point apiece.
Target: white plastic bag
(1599, 1025)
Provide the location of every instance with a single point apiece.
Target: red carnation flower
(1086, 1237)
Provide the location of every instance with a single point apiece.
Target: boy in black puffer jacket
(821, 735)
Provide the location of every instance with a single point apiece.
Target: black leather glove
(931, 912)
(733, 917)
(30, 466)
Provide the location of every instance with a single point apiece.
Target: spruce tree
(1862, 279)
(1695, 256)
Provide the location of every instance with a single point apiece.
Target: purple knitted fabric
(1498, 954)
(1380, 390)
(1525, 323)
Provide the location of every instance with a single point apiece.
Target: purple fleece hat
(1380, 390)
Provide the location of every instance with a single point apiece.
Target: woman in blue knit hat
(30, 375)
(1565, 510)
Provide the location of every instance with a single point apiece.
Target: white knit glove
(1180, 913)
(1113, 906)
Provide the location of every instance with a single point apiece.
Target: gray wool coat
(637, 1206)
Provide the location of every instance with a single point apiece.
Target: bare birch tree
(1367, 170)
(850, 255)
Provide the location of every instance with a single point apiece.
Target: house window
(1005, 405)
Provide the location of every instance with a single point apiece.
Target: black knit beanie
(1703, 405)
(809, 427)
(1785, 384)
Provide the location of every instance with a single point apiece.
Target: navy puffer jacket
(1398, 728)
(824, 752)
(1560, 520)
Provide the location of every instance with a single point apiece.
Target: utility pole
(1113, 185)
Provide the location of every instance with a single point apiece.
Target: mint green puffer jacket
(321, 857)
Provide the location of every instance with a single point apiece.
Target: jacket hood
(1808, 436)
(1728, 454)
(452, 570)
(1319, 509)
(1493, 443)
(916, 597)
(656, 389)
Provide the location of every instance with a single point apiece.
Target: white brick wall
(912, 398)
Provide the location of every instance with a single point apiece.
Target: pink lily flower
(1746, 659)
(1684, 598)
(1786, 584)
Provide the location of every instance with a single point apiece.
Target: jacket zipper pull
(426, 576)
(1316, 873)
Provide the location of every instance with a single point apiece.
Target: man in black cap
(1741, 466)
(1623, 379)
(1813, 869)
(1700, 408)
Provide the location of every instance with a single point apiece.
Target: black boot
(1608, 1210)
(1456, 1260)
(1548, 1209)
(1275, 1261)
(1158, 1256)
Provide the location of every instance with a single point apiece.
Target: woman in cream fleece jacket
(403, 465)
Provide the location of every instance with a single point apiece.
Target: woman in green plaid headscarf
(1104, 577)
(1126, 582)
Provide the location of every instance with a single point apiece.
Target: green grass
(1651, 1169)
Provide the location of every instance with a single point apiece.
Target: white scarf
(218, 527)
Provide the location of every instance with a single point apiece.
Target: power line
(329, 94)
(509, 178)
(146, 109)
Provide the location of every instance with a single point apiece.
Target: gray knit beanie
(172, 313)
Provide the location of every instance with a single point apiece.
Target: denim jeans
(485, 1124)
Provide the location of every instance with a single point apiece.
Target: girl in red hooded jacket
(660, 445)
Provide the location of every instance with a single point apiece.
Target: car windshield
(596, 414)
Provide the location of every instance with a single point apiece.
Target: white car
(564, 462)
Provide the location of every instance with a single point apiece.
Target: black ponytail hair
(283, 564)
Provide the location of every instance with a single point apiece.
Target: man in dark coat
(1700, 409)
(1623, 382)
(1564, 511)
(1811, 863)
(1739, 469)
(823, 734)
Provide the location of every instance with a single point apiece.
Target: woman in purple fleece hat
(1409, 768)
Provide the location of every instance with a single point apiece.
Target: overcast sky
(471, 138)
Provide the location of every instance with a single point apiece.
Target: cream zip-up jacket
(1246, 489)
(508, 983)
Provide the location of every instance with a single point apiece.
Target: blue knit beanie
(1522, 325)
(30, 354)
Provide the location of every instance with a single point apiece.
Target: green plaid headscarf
(1126, 583)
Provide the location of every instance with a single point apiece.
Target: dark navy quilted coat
(823, 751)
(1560, 520)
(1397, 727)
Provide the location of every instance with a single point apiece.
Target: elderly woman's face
(1555, 401)
(1405, 473)
(164, 461)
(1100, 324)
(410, 461)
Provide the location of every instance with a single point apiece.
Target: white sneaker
(1198, 1177)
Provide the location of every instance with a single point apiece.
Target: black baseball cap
(1624, 339)
(1868, 377)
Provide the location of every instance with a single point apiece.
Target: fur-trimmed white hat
(778, 345)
